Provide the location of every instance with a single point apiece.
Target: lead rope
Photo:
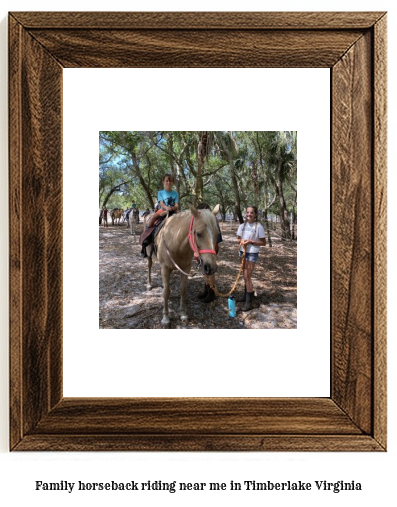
(172, 260)
(193, 245)
(235, 283)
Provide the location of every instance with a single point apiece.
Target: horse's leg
(165, 275)
(149, 267)
(182, 308)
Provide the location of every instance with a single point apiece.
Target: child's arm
(176, 205)
(164, 207)
(257, 242)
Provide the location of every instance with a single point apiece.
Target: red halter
(193, 242)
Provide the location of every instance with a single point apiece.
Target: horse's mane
(205, 214)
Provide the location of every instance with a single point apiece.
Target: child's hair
(256, 211)
(168, 175)
(203, 205)
(256, 217)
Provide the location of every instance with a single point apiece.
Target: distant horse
(184, 234)
(133, 220)
(104, 217)
(116, 215)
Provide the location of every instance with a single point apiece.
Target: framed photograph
(353, 47)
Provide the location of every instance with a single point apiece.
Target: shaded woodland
(126, 303)
(232, 169)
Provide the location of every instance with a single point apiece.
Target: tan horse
(116, 216)
(174, 250)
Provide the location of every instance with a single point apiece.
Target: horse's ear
(215, 211)
(193, 210)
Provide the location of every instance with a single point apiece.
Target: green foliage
(238, 167)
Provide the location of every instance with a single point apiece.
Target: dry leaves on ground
(126, 303)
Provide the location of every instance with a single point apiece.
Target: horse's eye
(198, 234)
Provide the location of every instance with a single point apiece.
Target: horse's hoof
(165, 321)
(148, 286)
(184, 318)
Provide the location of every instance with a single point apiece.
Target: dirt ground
(126, 303)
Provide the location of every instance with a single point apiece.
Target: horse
(116, 214)
(104, 217)
(184, 234)
(133, 220)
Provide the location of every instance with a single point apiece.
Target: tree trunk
(142, 180)
(236, 194)
(112, 191)
(286, 233)
(293, 235)
(254, 175)
(201, 154)
(234, 183)
(175, 173)
(269, 239)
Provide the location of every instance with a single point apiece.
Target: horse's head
(205, 231)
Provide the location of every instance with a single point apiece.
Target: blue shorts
(252, 257)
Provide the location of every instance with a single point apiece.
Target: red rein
(193, 242)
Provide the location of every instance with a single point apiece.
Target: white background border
(207, 362)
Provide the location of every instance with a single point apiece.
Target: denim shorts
(252, 257)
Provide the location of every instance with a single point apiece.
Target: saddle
(147, 237)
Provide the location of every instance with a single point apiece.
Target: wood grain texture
(352, 232)
(353, 45)
(15, 229)
(380, 229)
(199, 443)
(36, 230)
(200, 21)
(196, 48)
(173, 416)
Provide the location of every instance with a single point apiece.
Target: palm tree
(229, 150)
(203, 149)
(281, 160)
(225, 143)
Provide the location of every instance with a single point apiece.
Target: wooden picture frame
(353, 46)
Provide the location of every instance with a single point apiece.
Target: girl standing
(252, 235)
